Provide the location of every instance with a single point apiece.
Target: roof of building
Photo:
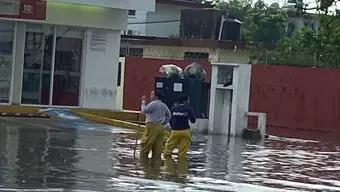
(204, 43)
(188, 3)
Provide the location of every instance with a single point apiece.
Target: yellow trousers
(152, 140)
(180, 138)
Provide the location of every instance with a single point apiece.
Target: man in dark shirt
(180, 128)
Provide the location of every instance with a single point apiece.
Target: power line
(154, 22)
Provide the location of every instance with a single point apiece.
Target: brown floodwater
(74, 155)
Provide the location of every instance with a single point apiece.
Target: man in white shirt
(157, 115)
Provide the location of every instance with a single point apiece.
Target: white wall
(164, 12)
(232, 100)
(138, 29)
(85, 16)
(100, 71)
(18, 63)
(120, 89)
(148, 5)
(243, 97)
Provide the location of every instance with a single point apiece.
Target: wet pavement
(54, 155)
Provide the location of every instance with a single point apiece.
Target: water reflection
(36, 157)
(43, 158)
(176, 170)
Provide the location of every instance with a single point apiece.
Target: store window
(6, 60)
(37, 64)
(68, 59)
(41, 84)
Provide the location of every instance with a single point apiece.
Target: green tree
(261, 23)
(265, 23)
(309, 48)
(237, 9)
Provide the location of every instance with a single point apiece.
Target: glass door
(67, 70)
(6, 60)
(37, 64)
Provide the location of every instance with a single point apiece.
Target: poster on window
(23, 9)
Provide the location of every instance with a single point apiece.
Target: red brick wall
(140, 74)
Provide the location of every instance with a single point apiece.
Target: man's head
(183, 99)
(159, 95)
(152, 95)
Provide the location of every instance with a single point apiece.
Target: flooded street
(54, 157)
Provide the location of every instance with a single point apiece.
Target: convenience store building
(62, 53)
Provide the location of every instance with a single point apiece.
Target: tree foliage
(261, 22)
(269, 24)
(309, 48)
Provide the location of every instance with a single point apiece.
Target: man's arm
(167, 116)
(146, 108)
(192, 116)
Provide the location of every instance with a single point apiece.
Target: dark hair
(159, 95)
(182, 99)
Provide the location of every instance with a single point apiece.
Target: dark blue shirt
(181, 115)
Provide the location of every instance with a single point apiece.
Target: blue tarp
(69, 120)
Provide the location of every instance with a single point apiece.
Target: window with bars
(132, 12)
(196, 55)
(131, 52)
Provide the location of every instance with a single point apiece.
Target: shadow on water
(83, 159)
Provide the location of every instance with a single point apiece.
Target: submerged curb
(33, 115)
(22, 111)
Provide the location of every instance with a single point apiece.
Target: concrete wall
(18, 63)
(231, 56)
(177, 52)
(243, 97)
(85, 16)
(82, 16)
(229, 104)
(119, 4)
(120, 89)
(100, 71)
(140, 18)
(164, 12)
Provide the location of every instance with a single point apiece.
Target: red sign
(23, 9)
